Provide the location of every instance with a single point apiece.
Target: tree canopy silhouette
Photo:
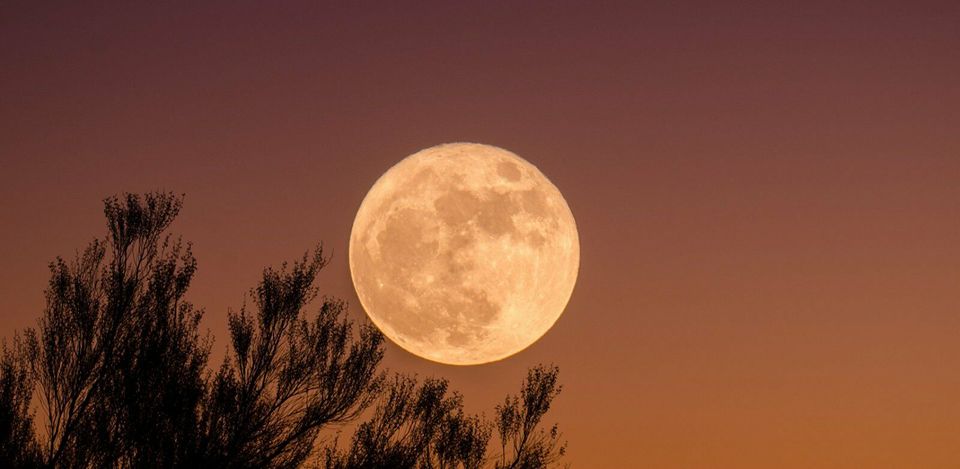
(116, 374)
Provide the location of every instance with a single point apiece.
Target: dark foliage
(523, 444)
(18, 448)
(289, 378)
(117, 357)
(416, 426)
(119, 370)
(423, 426)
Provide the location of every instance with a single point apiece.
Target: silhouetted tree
(116, 356)
(18, 447)
(416, 426)
(523, 444)
(425, 427)
(288, 377)
(120, 371)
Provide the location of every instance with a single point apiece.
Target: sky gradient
(768, 196)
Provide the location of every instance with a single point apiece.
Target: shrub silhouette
(116, 373)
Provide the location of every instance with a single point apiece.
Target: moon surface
(464, 253)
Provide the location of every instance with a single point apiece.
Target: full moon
(464, 253)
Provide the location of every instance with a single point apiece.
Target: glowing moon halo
(464, 253)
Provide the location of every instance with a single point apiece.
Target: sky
(767, 193)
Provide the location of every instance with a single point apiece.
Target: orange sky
(768, 197)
